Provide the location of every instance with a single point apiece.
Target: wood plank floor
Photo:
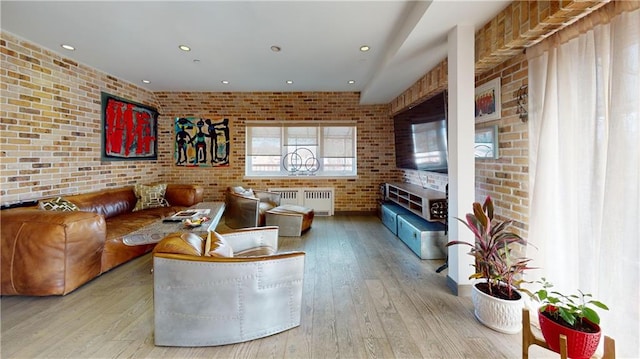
(366, 295)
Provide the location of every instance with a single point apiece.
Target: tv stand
(418, 217)
(426, 203)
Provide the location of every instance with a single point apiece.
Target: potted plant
(496, 300)
(570, 315)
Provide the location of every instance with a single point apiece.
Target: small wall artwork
(201, 142)
(488, 103)
(129, 130)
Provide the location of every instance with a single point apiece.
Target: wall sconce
(521, 97)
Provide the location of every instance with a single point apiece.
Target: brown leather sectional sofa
(53, 253)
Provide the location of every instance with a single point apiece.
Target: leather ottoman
(291, 219)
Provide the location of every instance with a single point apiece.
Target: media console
(417, 216)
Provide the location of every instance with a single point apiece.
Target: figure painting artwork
(201, 142)
(129, 130)
(488, 101)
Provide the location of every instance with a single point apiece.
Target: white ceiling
(320, 41)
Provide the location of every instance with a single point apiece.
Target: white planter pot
(501, 315)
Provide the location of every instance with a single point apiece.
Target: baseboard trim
(354, 213)
(463, 290)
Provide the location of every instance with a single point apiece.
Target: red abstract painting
(129, 130)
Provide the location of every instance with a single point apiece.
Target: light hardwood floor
(366, 295)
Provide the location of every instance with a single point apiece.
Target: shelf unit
(426, 203)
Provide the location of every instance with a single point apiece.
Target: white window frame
(307, 159)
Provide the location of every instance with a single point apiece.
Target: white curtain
(584, 126)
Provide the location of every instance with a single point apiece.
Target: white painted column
(461, 129)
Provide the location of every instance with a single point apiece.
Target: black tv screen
(421, 136)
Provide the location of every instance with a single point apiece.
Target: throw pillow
(244, 192)
(150, 196)
(58, 204)
(217, 246)
(238, 189)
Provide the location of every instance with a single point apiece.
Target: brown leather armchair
(246, 208)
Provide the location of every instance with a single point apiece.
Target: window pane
(338, 142)
(264, 163)
(301, 136)
(302, 160)
(264, 141)
(300, 150)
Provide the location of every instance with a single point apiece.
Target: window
(301, 150)
(584, 161)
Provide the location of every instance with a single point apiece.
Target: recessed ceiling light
(351, 82)
(275, 48)
(225, 82)
(364, 48)
(289, 82)
(67, 47)
(184, 48)
(146, 81)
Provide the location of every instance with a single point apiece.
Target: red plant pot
(579, 344)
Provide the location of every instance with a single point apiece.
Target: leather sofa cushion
(109, 203)
(120, 225)
(184, 195)
(34, 261)
(115, 251)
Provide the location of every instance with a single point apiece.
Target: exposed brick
(74, 147)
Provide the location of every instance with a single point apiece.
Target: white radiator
(320, 199)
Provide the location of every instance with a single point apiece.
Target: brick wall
(50, 132)
(520, 25)
(50, 125)
(506, 179)
(499, 48)
(376, 159)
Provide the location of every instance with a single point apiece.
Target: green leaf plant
(571, 308)
(492, 250)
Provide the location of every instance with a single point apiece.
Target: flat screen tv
(421, 136)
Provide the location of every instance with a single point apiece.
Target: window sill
(302, 177)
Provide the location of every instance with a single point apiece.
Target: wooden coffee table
(159, 229)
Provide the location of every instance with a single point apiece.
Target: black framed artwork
(129, 130)
(201, 142)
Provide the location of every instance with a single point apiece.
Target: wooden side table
(533, 336)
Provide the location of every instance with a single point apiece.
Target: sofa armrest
(266, 196)
(192, 258)
(248, 238)
(240, 211)
(184, 195)
(49, 252)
